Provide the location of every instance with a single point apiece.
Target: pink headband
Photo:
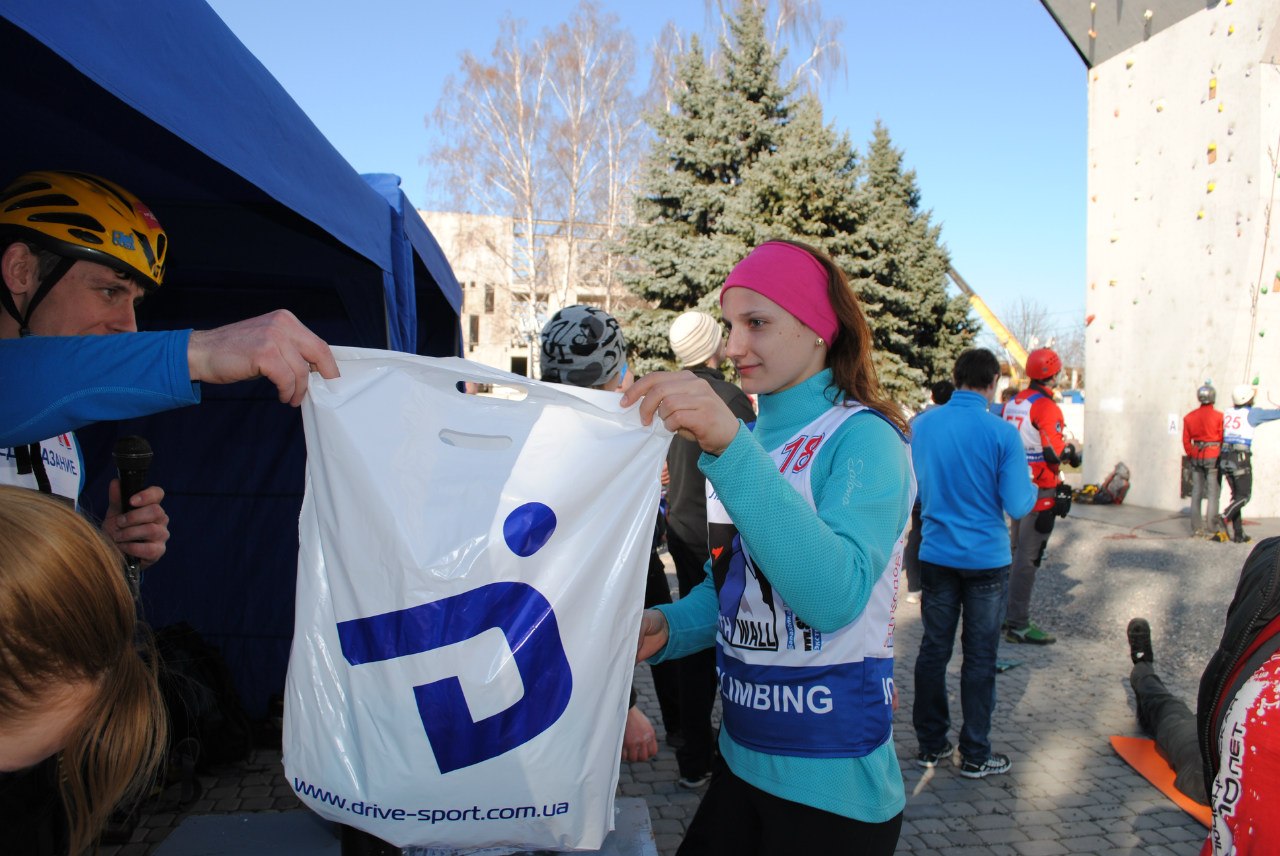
(791, 278)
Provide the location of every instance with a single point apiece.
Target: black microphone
(133, 458)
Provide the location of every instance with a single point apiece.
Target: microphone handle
(132, 481)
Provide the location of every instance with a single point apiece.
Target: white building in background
(501, 315)
(1183, 239)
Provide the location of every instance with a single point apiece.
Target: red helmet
(1043, 364)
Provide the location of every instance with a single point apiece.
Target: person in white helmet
(1236, 461)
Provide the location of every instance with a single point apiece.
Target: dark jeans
(1173, 726)
(738, 819)
(696, 672)
(665, 675)
(980, 595)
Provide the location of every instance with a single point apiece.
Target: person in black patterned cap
(584, 346)
(698, 345)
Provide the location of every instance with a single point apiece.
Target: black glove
(1062, 500)
(1071, 456)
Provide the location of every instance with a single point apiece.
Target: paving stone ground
(1067, 792)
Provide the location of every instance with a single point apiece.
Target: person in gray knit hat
(583, 346)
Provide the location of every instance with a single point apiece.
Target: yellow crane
(1017, 353)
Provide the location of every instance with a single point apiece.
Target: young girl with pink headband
(806, 528)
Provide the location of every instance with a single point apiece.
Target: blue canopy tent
(262, 213)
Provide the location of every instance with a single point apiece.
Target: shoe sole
(943, 756)
(982, 774)
(1139, 635)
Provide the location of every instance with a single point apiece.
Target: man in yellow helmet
(77, 254)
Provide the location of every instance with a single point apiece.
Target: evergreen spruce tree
(723, 121)
(900, 266)
(736, 163)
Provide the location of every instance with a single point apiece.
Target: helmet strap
(46, 285)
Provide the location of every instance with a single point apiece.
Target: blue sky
(987, 101)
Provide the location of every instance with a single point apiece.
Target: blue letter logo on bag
(525, 618)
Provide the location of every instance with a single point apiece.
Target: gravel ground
(1096, 576)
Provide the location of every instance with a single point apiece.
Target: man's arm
(51, 385)
(1258, 415)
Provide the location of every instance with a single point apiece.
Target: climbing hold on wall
(1213, 87)
(1088, 319)
(1128, 63)
(1264, 289)
(1111, 282)
(1159, 106)
(1231, 30)
(1208, 188)
(1114, 237)
(1093, 34)
(1261, 333)
(1200, 214)
(1213, 153)
(1147, 15)
(1116, 113)
(1093, 7)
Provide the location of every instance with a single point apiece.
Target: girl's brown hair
(849, 356)
(66, 617)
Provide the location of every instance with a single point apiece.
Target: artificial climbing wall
(1183, 260)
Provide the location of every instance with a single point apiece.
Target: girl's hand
(653, 634)
(687, 405)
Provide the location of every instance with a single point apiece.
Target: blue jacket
(50, 385)
(971, 470)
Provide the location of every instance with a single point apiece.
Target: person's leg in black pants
(738, 819)
(697, 674)
(666, 676)
(1173, 726)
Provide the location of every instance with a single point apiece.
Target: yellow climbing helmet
(82, 216)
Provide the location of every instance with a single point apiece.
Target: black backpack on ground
(207, 723)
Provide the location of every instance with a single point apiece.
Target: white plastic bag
(470, 579)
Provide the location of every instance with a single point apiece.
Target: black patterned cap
(582, 346)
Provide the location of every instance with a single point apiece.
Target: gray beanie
(694, 338)
(582, 346)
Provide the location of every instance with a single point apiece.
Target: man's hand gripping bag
(470, 578)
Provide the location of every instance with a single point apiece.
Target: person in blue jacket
(972, 471)
(77, 253)
(806, 529)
